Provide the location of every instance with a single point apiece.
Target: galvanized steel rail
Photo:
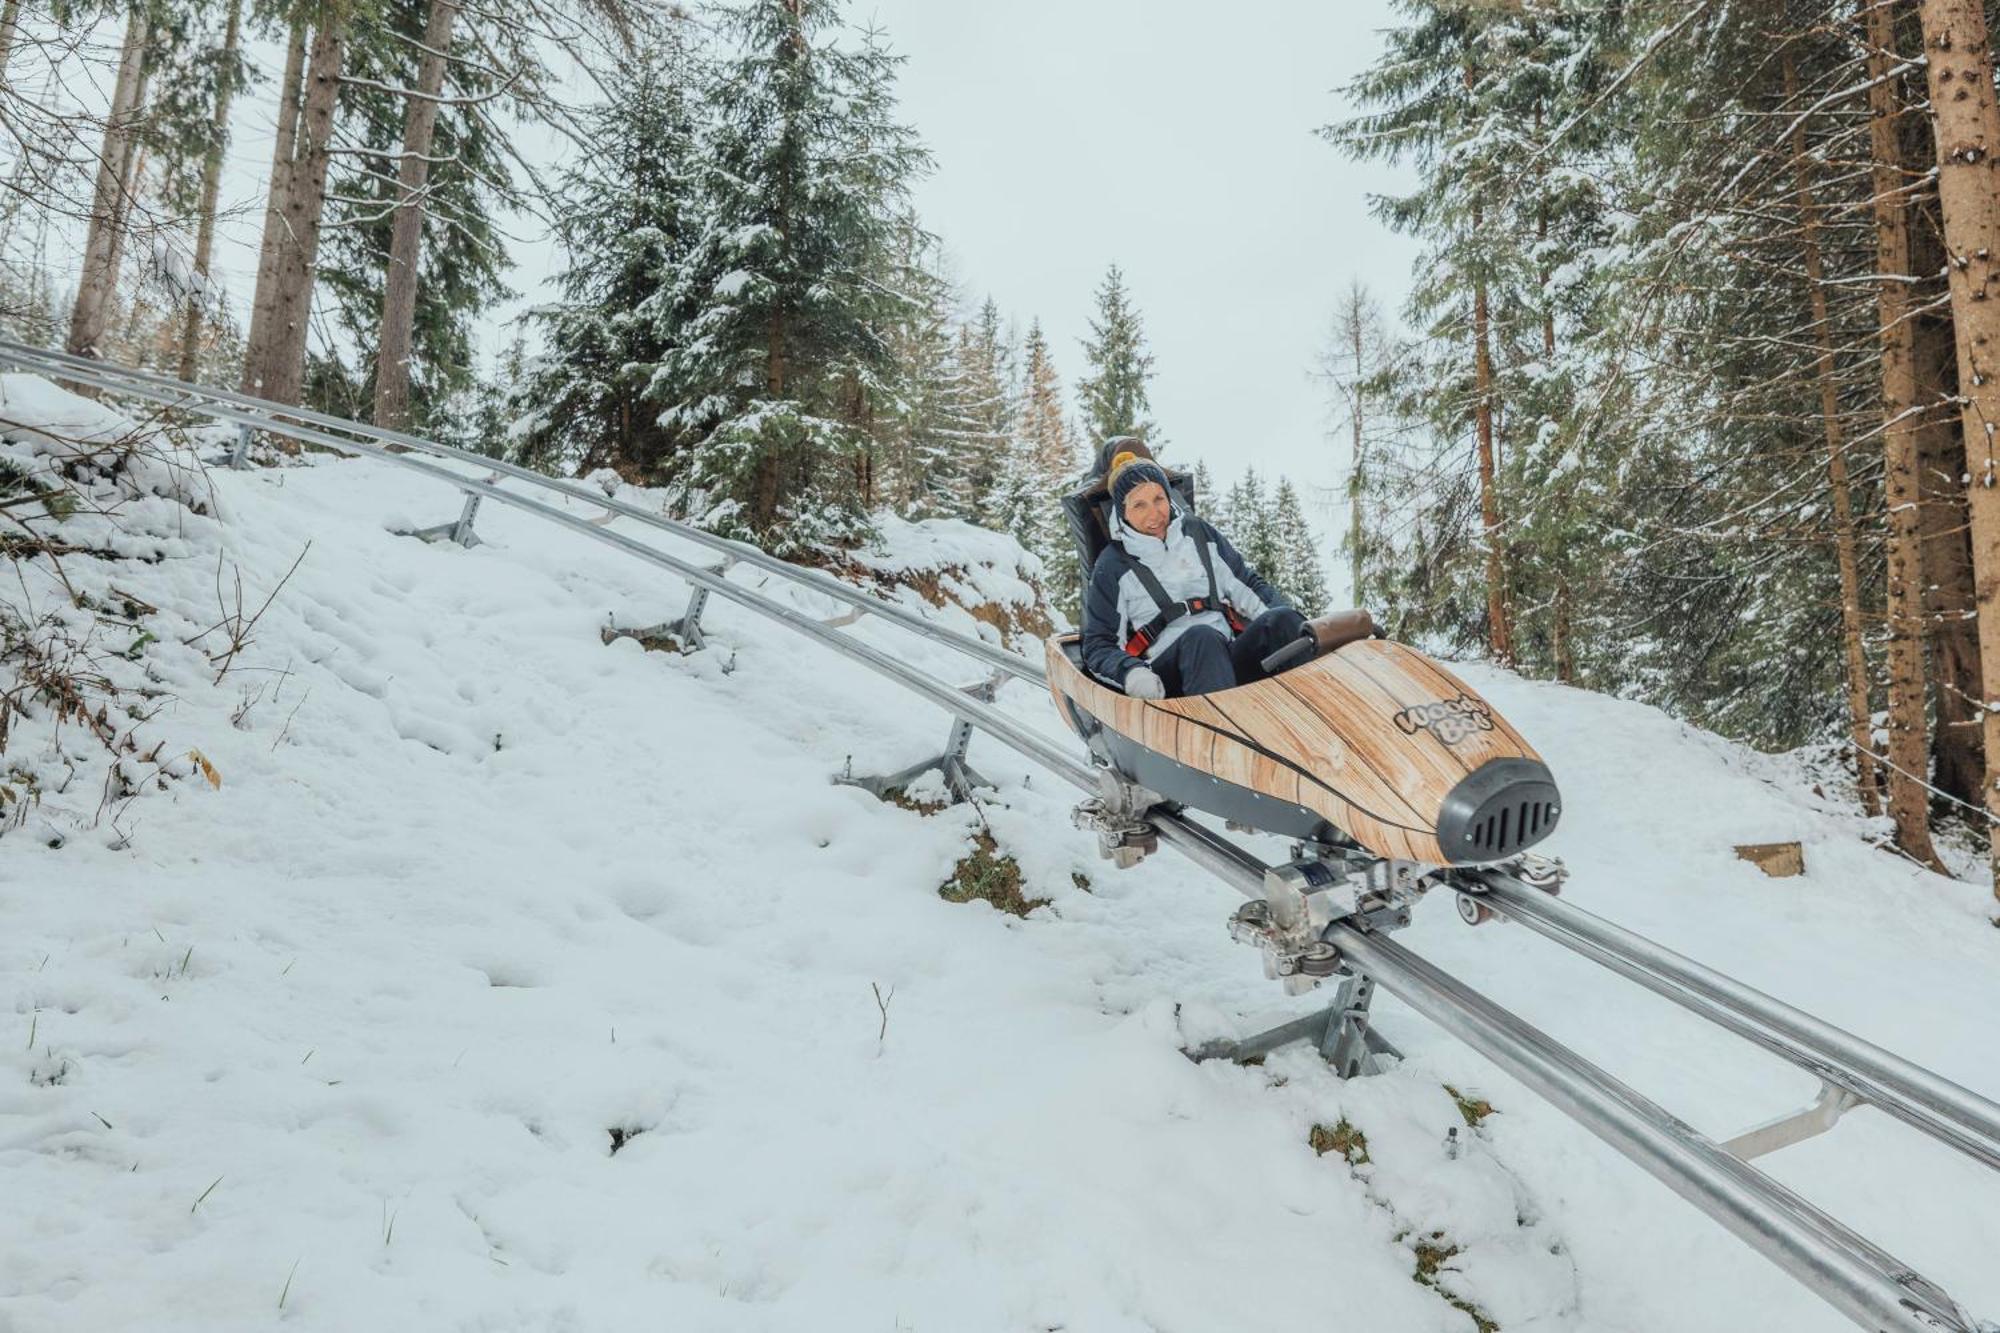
(1870, 1287)
(1938, 1107)
(338, 433)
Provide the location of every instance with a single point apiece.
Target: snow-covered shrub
(83, 487)
(948, 562)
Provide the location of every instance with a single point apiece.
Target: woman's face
(1148, 510)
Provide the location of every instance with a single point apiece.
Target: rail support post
(459, 530)
(1341, 1033)
(684, 629)
(239, 453)
(960, 778)
(1822, 1114)
(687, 630)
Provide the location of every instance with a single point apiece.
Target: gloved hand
(1145, 683)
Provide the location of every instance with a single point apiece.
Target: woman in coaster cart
(1172, 608)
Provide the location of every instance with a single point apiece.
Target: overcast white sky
(1175, 138)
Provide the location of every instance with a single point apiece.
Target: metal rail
(1938, 1107)
(1870, 1287)
(1867, 1285)
(261, 414)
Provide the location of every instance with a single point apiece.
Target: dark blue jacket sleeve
(1241, 568)
(1105, 657)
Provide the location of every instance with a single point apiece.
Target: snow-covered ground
(348, 1041)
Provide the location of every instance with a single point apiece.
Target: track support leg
(960, 778)
(1807, 1122)
(1341, 1033)
(459, 530)
(685, 629)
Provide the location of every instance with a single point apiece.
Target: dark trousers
(1203, 659)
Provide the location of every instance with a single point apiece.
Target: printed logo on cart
(1450, 720)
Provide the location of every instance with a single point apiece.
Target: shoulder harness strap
(1148, 634)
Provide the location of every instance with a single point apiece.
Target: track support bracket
(684, 629)
(960, 778)
(1342, 1033)
(459, 530)
(1809, 1121)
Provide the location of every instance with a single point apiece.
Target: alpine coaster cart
(1390, 775)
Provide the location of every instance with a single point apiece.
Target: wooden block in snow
(1779, 860)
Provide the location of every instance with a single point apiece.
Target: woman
(1172, 609)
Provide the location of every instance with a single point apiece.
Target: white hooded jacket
(1117, 602)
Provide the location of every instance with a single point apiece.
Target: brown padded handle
(1337, 629)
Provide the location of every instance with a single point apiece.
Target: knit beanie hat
(1129, 471)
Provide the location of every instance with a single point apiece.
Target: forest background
(1683, 398)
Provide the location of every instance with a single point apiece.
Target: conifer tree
(1051, 449)
(1113, 395)
(631, 214)
(1297, 570)
(777, 377)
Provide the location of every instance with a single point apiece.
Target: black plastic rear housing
(1503, 807)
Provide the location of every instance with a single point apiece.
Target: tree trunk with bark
(1958, 756)
(1966, 124)
(1354, 491)
(211, 191)
(10, 28)
(90, 317)
(399, 283)
(275, 363)
(1499, 635)
(1909, 750)
(1858, 712)
(283, 150)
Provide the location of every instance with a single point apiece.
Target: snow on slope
(346, 1043)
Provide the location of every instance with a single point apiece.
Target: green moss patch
(990, 876)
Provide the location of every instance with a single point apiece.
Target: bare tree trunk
(91, 315)
(1967, 128)
(131, 171)
(1499, 635)
(10, 28)
(1958, 757)
(283, 153)
(1858, 712)
(1909, 749)
(1565, 638)
(211, 190)
(276, 363)
(399, 284)
(1355, 407)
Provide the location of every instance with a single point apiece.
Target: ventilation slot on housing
(1510, 828)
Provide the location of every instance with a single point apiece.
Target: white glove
(1145, 683)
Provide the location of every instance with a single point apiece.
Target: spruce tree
(1051, 449)
(1297, 572)
(777, 376)
(932, 433)
(630, 216)
(1113, 396)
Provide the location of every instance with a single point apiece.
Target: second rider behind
(1171, 608)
